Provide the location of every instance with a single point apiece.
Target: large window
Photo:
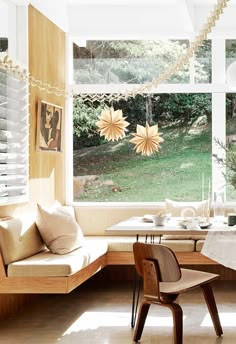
(189, 111)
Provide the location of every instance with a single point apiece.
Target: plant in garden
(228, 162)
(85, 132)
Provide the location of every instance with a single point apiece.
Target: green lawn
(175, 172)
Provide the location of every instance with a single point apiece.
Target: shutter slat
(12, 191)
(10, 81)
(11, 103)
(12, 114)
(12, 182)
(16, 147)
(10, 136)
(11, 126)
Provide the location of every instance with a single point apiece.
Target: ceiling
(146, 18)
(136, 19)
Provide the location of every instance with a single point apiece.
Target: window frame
(218, 88)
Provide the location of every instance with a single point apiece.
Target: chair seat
(189, 279)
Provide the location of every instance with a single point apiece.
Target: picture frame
(49, 127)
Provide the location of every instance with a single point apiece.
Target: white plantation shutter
(13, 138)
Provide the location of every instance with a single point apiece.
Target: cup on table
(159, 220)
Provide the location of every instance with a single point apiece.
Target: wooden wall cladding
(47, 170)
(47, 63)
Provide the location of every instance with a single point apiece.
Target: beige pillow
(59, 229)
(176, 208)
(19, 240)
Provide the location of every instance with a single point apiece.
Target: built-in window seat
(27, 266)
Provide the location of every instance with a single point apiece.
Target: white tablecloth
(221, 247)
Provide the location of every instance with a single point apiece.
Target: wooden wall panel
(47, 63)
(47, 169)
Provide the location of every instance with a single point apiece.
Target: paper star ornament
(112, 124)
(147, 139)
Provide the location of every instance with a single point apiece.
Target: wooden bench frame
(48, 285)
(64, 285)
(184, 258)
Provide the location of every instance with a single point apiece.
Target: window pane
(113, 171)
(231, 144)
(129, 62)
(230, 51)
(203, 63)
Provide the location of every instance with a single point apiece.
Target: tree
(85, 132)
(129, 61)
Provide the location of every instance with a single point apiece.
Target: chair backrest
(168, 266)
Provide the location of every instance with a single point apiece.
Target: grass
(175, 172)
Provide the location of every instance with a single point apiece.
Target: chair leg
(178, 322)
(142, 315)
(211, 304)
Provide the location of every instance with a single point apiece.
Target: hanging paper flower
(112, 124)
(147, 139)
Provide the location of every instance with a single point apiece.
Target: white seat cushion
(184, 236)
(49, 264)
(125, 243)
(199, 245)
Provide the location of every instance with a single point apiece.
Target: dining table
(219, 245)
(143, 225)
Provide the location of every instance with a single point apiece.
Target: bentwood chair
(163, 281)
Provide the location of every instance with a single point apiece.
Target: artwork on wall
(49, 127)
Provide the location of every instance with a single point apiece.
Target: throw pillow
(192, 209)
(59, 229)
(19, 239)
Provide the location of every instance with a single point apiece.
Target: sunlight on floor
(94, 320)
(226, 319)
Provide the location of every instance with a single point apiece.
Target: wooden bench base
(184, 258)
(50, 285)
(17, 291)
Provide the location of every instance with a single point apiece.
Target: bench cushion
(47, 263)
(125, 243)
(199, 245)
(19, 240)
(184, 236)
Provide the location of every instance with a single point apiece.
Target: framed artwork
(49, 127)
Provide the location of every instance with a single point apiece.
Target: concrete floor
(100, 314)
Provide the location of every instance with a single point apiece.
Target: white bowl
(159, 220)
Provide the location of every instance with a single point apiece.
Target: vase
(219, 206)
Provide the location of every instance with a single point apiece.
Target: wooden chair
(163, 281)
